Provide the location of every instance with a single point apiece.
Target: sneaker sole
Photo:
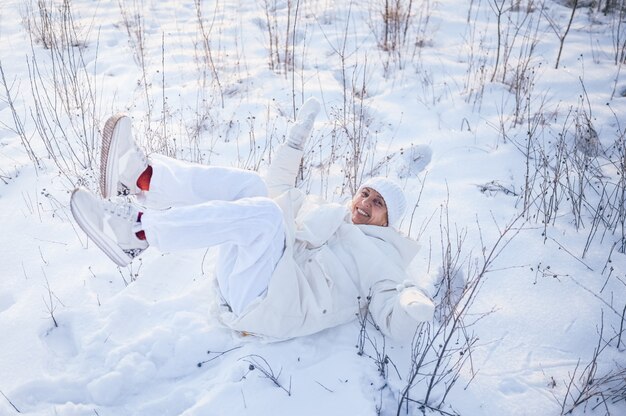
(104, 243)
(108, 165)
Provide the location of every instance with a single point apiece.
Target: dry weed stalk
(64, 93)
(207, 48)
(441, 350)
(591, 387)
(256, 362)
(400, 30)
(18, 124)
(561, 34)
(474, 44)
(281, 31)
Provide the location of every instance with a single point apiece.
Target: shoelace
(128, 213)
(123, 211)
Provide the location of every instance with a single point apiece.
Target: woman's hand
(301, 129)
(416, 304)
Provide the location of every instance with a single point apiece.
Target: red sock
(140, 234)
(143, 182)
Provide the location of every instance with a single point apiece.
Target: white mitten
(301, 129)
(419, 306)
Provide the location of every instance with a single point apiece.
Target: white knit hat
(392, 194)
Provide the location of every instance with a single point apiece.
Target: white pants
(217, 206)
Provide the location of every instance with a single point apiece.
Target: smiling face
(368, 207)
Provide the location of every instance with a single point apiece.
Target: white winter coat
(329, 267)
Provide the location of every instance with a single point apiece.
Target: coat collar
(406, 247)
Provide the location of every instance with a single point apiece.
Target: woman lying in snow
(290, 264)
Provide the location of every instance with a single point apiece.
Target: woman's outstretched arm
(281, 175)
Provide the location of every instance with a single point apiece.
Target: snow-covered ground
(79, 336)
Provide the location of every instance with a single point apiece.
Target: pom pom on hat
(392, 194)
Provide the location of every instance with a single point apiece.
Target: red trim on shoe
(143, 182)
(141, 234)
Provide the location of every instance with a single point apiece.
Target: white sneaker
(121, 160)
(111, 226)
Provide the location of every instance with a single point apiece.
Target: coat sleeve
(388, 307)
(281, 174)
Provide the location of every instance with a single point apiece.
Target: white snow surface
(128, 341)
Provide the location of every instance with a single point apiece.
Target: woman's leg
(176, 183)
(249, 231)
(125, 170)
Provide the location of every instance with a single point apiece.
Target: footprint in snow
(6, 301)
(59, 339)
(407, 162)
(511, 386)
(413, 160)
